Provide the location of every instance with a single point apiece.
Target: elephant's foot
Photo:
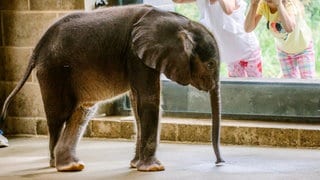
(134, 162)
(220, 162)
(72, 166)
(52, 163)
(66, 160)
(68, 163)
(150, 165)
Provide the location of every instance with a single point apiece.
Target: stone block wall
(22, 23)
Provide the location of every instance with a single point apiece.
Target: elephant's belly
(99, 89)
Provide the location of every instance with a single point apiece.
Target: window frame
(297, 100)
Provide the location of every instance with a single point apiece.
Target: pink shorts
(251, 67)
(301, 64)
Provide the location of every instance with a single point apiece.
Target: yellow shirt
(294, 42)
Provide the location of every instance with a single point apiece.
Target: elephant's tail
(16, 90)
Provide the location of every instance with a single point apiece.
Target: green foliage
(270, 63)
(188, 9)
(313, 12)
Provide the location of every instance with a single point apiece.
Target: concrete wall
(22, 23)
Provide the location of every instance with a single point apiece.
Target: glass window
(270, 97)
(271, 66)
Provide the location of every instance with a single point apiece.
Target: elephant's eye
(210, 65)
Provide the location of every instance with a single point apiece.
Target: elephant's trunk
(216, 117)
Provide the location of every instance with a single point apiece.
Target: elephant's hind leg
(65, 152)
(55, 121)
(54, 131)
(58, 103)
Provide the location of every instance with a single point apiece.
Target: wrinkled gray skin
(84, 58)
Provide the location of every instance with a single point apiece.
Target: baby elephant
(87, 57)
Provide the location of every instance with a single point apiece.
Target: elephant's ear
(161, 42)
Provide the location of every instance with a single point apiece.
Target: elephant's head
(185, 51)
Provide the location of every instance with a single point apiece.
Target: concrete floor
(27, 158)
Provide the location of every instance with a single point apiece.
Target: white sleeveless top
(234, 43)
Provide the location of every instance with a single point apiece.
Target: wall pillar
(22, 23)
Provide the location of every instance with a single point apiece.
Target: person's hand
(255, 2)
(213, 1)
(277, 2)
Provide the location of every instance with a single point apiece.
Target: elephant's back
(104, 32)
(118, 17)
(91, 48)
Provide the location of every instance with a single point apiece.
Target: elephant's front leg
(146, 100)
(65, 151)
(134, 99)
(148, 111)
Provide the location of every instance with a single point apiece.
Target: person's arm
(252, 18)
(228, 6)
(287, 20)
(183, 1)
